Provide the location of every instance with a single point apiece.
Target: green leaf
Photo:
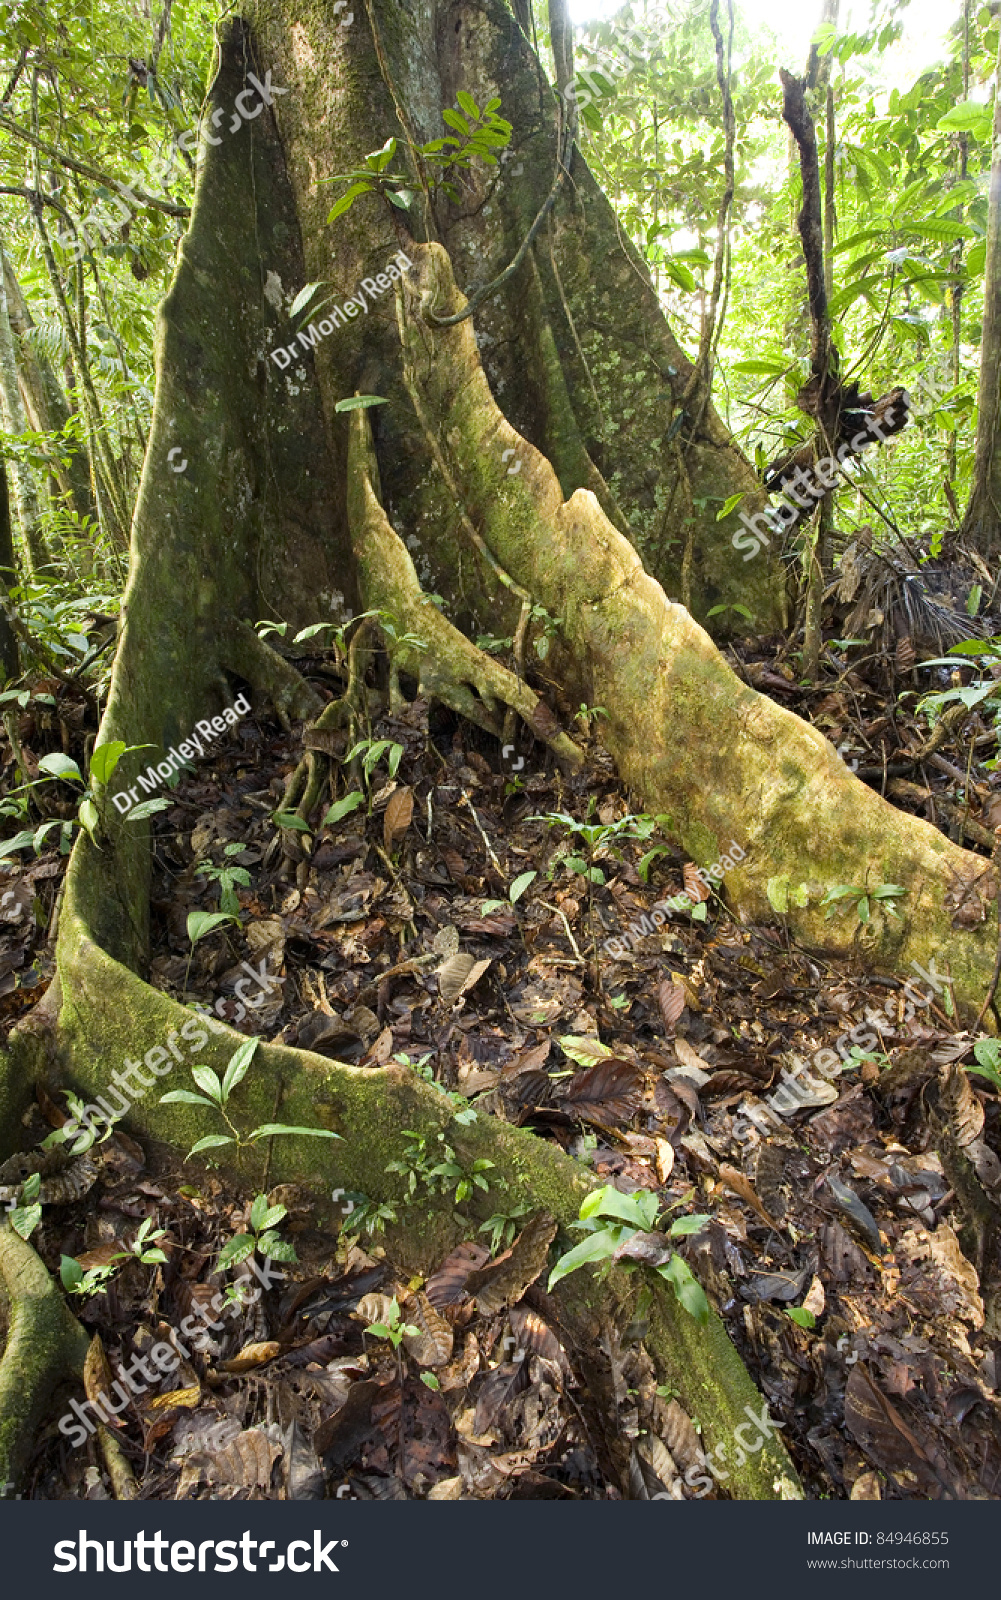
(30, 1188)
(777, 890)
(774, 368)
(598, 1246)
(378, 160)
(687, 1288)
(146, 808)
(802, 1317)
(968, 117)
(20, 841)
(341, 808)
(639, 1209)
(431, 1381)
(210, 1142)
(70, 1272)
(312, 631)
(455, 121)
(25, 1219)
(208, 1081)
(685, 1225)
(234, 1251)
(238, 1068)
(278, 1249)
(583, 1048)
(89, 819)
(699, 913)
(519, 886)
(202, 922)
(730, 504)
(186, 1097)
(105, 759)
(490, 905)
(59, 766)
(360, 402)
(288, 819)
(269, 1130)
(468, 105)
(303, 298)
(347, 200)
(258, 1212)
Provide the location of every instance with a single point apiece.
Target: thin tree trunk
(982, 525)
(25, 490)
(9, 653)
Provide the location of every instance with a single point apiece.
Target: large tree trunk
(280, 512)
(12, 409)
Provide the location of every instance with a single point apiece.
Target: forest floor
(852, 1302)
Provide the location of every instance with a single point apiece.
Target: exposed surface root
(45, 1344)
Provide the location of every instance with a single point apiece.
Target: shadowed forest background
(501, 655)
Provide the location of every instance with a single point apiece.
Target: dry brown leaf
(959, 1103)
(671, 1001)
(689, 1057)
(608, 1092)
(374, 1308)
(101, 1254)
(245, 1464)
(664, 1159)
(185, 1399)
(738, 1184)
(251, 1356)
(694, 887)
(97, 1379)
(447, 1286)
(432, 1345)
(461, 1372)
(399, 814)
(881, 1432)
(446, 941)
(505, 1280)
(459, 973)
(866, 1485)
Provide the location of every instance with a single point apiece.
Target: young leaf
(598, 1246)
(639, 1209)
(519, 886)
(360, 402)
(210, 1142)
(687, 1288)
(236, 1250)
(269, 1130)
(802, 1317)
(730, 504)
(258, 1212)
(208, 1081)
(239, 1066)
(59, 766)
(341, 808)
(202, 922)
(145, 808)
(277, 1249)
(105, 759)
(288, 819)
(25, 1219)
(468, 105)
(185, 1097)
(685, 1225)
(303, 298)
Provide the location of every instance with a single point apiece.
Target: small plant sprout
(96, 1279)
(24, 1218)
(395, 1330)
(587, 714)
(514, 894)
(444, 1176)
(57, 767)
(611, 1220)
(264, 1238)
(883, 896)
(503, 1226)
(216, 1095)
(226, 877)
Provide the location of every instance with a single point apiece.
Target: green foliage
(476, 136)
(988, 1061)
(884, 896)
(632, 1214)
(216, 1095)
(24, 1218)
(427, 1172)
(227, 877)
(393, 1329)
(264, 1238)
(96, 1279)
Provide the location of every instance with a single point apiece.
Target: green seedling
(226, 877)
(988, 1061)
(395, 1331)
(24, 1218)
(96, 1279)
(633, 1214)
(863, 898)
(263, 1238)
(216, 1095)
(59, 768)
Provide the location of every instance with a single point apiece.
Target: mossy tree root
(447, 665)
(689, 737)
(114, 1014)
(45, 1344)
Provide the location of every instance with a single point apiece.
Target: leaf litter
(847, 1212)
